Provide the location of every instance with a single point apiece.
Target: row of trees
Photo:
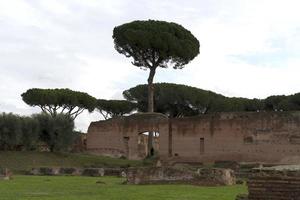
(72, 103)
(177, 100)
(174, 100)
(29, 133)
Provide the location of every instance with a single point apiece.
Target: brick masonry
(274, 185)
(269, 137)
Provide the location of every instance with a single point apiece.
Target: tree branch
(101, 112)
(78, 113)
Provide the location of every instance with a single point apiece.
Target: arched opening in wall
(143, 144)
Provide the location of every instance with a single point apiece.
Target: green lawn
(19, 161)
(110, 188)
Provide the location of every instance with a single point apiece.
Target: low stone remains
(54, 171)
(45, 171)
(274, 188)
(5, 174)
(274, 183)
(93, 172)
(160, 175)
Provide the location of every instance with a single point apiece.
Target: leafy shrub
(57, 132)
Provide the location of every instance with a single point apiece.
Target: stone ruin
(274, 183)
(268, 137)
(60, 171)
(5, 174)
(161, 175)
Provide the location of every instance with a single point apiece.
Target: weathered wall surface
(264, 137)
(274, 185)
(120, 136)
(159, 175)
(271, 137)
(274, 188)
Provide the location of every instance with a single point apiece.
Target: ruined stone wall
(271, 137)
(275, 183)
(250, 137)
(119, 136)
(274, 188)
(106, 138)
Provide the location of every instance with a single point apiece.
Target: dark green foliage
(236, 104)
(18, 132)
(156, 43)
(175, 100)
(57, 131)
(294, 101)
(276, 103)
(30, 133)
(112, 108)
(10, 131)
(180, 100)
(283, 103)
(54, 101)
(26, 133)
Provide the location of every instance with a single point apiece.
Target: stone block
(159, 175)
(93, 172)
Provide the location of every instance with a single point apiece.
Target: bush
(30, 133)
(10, 131)
(25, 133)
(57, 132)
(18, 132)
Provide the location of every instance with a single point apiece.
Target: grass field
(19, 161)
(107, 188)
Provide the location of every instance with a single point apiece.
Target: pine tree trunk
(150, 107)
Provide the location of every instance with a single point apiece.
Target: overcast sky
(249, 48)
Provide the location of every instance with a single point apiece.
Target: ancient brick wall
(271, 137)
(274, 188)
(275, 183)
(120, 136)
(250, 137)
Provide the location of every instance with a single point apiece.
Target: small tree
(63, 101)
(18, 132)
(30, 133)
(10, 131)
(154, 44)
(56, 131)
(113, 108)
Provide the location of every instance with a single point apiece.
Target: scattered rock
(123, 174)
